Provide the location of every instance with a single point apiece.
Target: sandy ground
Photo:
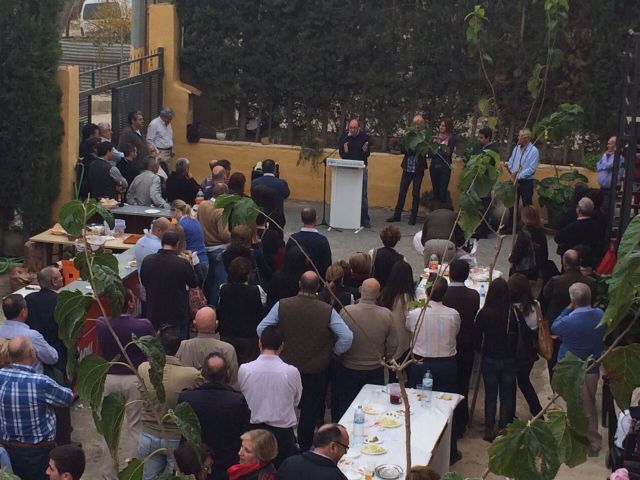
(473, 448)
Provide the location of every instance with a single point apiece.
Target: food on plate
(389, 421)
(108, 202)
(373, 409)
(370, 449)
(58, 230)
(372, 439)
(445, 396)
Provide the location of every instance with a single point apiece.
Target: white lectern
(346, 192)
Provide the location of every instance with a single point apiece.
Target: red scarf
(240, 470)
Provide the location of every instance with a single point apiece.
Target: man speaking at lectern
(354, 145)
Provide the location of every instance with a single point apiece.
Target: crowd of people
(286, 321)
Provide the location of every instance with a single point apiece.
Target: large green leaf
(7, 475)
(452, 476)
(630, 238)
(568, 377)
(187, 421)
(526, 451)
(133, 471)
(623, 288)
(72, 217)
(107, 282)
(152, 348)
(505, 192)
(104, 259)
(71, 315)
(111, 416)
(623, 370)
(92, 373)
(106, 214)
(572, 446)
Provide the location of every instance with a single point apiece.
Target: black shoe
(455, 457)
(489, 434)
(393, 219)
(367, 225)
(412, 221)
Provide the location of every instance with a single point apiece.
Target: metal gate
(132, 85)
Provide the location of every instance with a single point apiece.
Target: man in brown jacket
(467, 302)
(313, 331)
(374, 338)
(132, 135)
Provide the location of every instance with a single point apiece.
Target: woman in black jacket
(530, 252)
(240, 245)
(285, 282)
(334, 277)
(441, 157)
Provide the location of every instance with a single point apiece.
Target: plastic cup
(394, 393)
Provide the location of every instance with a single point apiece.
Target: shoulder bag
(545, 342)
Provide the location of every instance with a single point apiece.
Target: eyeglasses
(346, 447)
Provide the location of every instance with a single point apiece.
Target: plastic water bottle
(358, 426)
(483, 293)
(199, 197)
(427, 389)
(433, 262)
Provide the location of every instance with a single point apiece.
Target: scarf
(241, 470)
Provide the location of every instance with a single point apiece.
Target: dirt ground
(473, 448)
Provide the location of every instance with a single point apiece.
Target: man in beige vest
(374, 338)
(313, 331)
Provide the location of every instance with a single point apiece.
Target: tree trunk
(474, 122)
(325, 126)
(242, 119)
(257, 137)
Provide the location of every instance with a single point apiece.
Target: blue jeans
(216, 276)
(440, 176)
(499, 376)
(364, 211)
(159, 462)
(444, 371)
(202, 270)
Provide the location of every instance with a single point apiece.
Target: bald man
(192, 352)
(27, 419)
(313, 331)
(354, 145)
(147, 245)
(374, 338)
(413, 167)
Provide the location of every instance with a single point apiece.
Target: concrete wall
(305, 183)
(69, 83)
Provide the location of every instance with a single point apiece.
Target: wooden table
(49, 240)
(139, 217)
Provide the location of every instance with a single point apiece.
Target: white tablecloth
(430, 430)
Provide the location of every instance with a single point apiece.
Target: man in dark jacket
(467, 302)
(583, 231)
(354, 145)
(132, 135)
(330, 444)
(413, 167)
(313, 242)
(181, 185)
(223, 413)
(165, 277)
(278, 187)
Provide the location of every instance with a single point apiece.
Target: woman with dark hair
(441, 158)
(530, 252)
(523, 301)
(190, 462)
(396, 295)
(236, 183)
(496, 332)
(360, 270)
(240, 310)
(285, 282)
(383, 258)
(241, 245)
(334, 277)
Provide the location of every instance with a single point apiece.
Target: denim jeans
(499, 376)
(364, 211)
(202, 270)
(444, 371)
(347, 383)
(524, 384)
(159, 462)
(216, 276)
(440, 176)
(406, 179)
(30, 463)
(313, 392)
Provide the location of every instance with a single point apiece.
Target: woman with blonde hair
(194, 236)
(334, 277)
(259, 449)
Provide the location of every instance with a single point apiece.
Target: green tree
(30, 125)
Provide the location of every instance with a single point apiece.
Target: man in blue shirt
(578, 326)
(604, 169)
(522, 165)
(27, 419)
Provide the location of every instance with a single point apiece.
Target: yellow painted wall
(69, 82)
(305, 184)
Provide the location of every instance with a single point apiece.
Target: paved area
(473, 448)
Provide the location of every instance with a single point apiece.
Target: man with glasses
(330, 444)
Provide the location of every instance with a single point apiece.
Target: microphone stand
(324, 222)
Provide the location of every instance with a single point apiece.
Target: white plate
(152, 210)
(377, 442)
(373, 450)
(374, 409)
(352, 475)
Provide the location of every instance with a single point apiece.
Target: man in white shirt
(160, 134)
(147, 245)
(435, 342)
(272, 389)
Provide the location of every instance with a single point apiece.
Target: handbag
(522, 340)
(528, 262)
(608, 262)
(545, 342)
(197, 300)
